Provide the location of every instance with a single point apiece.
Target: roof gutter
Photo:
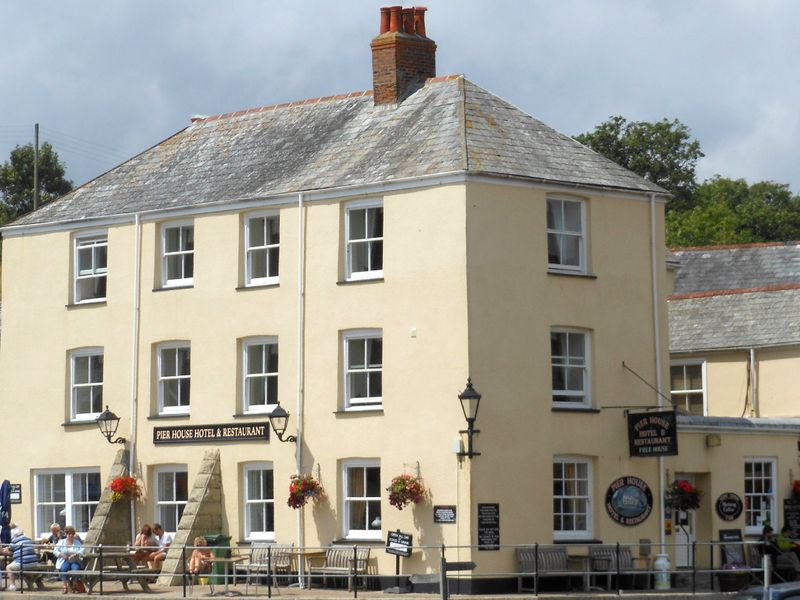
(349, 191)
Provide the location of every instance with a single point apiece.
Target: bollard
(767, 566)
(661, 567)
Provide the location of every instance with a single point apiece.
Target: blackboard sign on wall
(791, 516)
(488, 526)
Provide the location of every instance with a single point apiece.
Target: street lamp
(279, 418)
(470, 401)
(108, 423)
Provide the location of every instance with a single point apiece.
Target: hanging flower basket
(404, 490)
(124, 488)
(303, 487)
(682, 495)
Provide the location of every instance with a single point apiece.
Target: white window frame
(172, 410)
(251, 281)
(581, 235)
(89, 353)
(246, 405)
(575, 534)
(684, 392)
(371, 402)
(249, 534)
(169, 504)
(359, 534)
(43, 528)
(92, 242)
(755, 529)
(587, 371)
(371, 273)
(182, 281)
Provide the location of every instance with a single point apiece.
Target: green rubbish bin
(220, 546)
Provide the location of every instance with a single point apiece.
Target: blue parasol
(5, 512)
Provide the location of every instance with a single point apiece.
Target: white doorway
(683, 526)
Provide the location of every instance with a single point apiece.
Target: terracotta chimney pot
(419, 20)
(385, 19)
(408, 20)
(395, 19)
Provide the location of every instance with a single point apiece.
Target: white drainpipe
(134, 362)
(298, 451)
(657, 339)
(754, 383)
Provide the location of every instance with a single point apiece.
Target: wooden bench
(261, 555)
(544, 561)
(604, 558)
(35, 574)
(340, 561)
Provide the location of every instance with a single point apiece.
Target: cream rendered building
(354, 259)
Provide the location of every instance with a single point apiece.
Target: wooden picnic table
(115, 565)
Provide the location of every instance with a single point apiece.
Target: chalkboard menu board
(398, 543)
(791, 516)
(488, 526)
(732, 553)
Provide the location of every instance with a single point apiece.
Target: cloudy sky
(108, 78)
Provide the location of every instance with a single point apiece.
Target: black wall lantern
(108, 423)
(470, 401)
(279, 418)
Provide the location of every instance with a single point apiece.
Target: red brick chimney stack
(402, 56)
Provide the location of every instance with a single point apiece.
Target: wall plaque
(652, 434)
(488, 526)
(15, 493)
(629, 500)
(444, 513)
(729, 506)
(200, 434)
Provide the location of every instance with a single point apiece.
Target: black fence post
(100, 559)
(269, 572)
(354, 571)
(186, 573)
(694, 566)
(711, 562)
(536, 569)
(619, 572)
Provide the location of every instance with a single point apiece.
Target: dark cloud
(109, 79)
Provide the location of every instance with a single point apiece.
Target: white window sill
(376, 536)
(266, 410)
(90, 418)
(572, 536)
(375, 404)
(364, 276)
(165, 414)
(261, 538)
(569, 273)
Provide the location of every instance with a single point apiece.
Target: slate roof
(736, 297)
(737, 267)
(448, 126)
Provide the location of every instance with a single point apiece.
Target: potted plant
(303, 487)
(404, 490)
(124, 488)
(733, 577)
(682, 495)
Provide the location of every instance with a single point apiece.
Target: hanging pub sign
(629, 500)
(652, 434)
(729, 506)
(200, 434)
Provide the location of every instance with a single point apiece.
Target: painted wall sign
(488, 526)
(729, 506)
(629, 500)
(200, 434)
(15, 493)
(652, 434)
(398, 543)
(444, 513)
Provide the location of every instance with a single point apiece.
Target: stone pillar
(111, 523)
(202, 515)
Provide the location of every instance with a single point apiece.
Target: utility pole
(36, 166)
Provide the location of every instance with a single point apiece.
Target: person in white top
(164, 540)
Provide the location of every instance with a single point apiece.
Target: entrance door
(683, 527)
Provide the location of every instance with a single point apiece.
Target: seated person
(70, 555)
(144, 544)
(785, 543)
(22, 553)
(164, 540)
(55, 536)
(198, 562)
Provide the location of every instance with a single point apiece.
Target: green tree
(730, 211)
(663, 152)
(16, 180)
